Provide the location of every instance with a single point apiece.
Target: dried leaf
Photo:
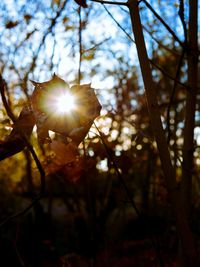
(65, 19)
(38, 111)
(11, 24)
(69, 27)
(74, 125)
(66, 160)
(89, 56)
(27, 17)
(64, 153)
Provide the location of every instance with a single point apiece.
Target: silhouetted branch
(154, 240)
(173, 94)
(156, 40)
(80, 45)
(109, 13)
(178, 206)
(48, 31)
(163, 22)
(5, 103)
(151, 61)
(29, 146)
(96, 45)
(167, 74)
(111, 2)
(159, 42)
(16, 247)
(182, 18)
(119, 175)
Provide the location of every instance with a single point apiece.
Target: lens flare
(65, 103)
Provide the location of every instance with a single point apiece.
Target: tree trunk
(191, 95)
(179, 211)
(188, 147)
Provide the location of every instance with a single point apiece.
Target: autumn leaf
(43, 110)
(11, 24)
(74, 124)
(88, 56)
(64, 153)
(22, 128)
(65, 19)
(27, 17)
(65, 159)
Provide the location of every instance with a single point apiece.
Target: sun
(65, 103)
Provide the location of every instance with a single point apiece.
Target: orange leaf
(64, 153)
(66, 160)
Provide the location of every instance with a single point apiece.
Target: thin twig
(48, 31)
(154, 240)
(151, 61)
(154, 38)
(173, 94)
(163, 22)
(159, 43)
(120, 177)
(111, 2)
(80, 44)
(181, 15)
(4, 100)
(80, 58)
(16, 248)
(96, 45)
(167, 74)
(182, 18)
(127, 34)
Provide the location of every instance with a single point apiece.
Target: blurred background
(118, 212)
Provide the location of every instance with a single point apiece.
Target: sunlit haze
(65, 103)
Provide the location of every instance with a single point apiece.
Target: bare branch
(36, 159)
(163, 22)
(96, 45)
(121, 179)
(127, 34)
(167, 74)
(80, 45)
(178, 206)
(159, 42)
(182, 18)
(173, 94)
(111, 2)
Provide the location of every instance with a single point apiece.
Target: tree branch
(179, 210)
(173, 94)
(112, 17)
(111, 2)
(29, 146)
(163, 22)
(80, 45)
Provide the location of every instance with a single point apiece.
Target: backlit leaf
(65, 160)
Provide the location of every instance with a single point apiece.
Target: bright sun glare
(65, 103)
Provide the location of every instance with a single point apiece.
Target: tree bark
(179, 211)
(188, 147)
